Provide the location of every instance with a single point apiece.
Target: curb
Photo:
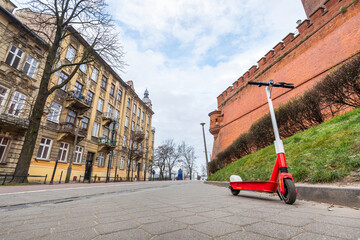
(344, 196)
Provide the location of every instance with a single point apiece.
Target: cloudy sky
(186, 52)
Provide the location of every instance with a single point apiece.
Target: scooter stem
(279, 146)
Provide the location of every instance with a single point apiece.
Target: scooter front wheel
(289, 196)
(234, 191)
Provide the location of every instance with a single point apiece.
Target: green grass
(325, 153)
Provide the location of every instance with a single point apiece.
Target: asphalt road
(165, 210)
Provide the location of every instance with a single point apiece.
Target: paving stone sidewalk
(173, 210)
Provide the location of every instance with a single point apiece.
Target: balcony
(138, 136)
(77, 102)
(108, 118)
(66, 132)
(11, 123)
(106, 145)
(137, 154)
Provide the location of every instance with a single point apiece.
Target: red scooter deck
(263, 186)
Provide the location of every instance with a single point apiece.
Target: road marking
(57, 189)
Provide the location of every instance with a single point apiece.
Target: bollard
(60, 177)
(80, 179)
(45, 179)
(95, 179)
(4, 179)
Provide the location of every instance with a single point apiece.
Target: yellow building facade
(96, 121)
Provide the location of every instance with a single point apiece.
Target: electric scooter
(285, 187)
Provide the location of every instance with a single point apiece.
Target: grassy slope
(324, 153)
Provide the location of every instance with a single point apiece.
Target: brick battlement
(329, 37)
(306, 28)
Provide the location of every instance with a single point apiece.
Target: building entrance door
(138, 172)
(88, 166)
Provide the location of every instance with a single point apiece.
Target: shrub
(341, 88)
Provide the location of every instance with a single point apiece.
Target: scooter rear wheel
(289, 196)
(234, 191)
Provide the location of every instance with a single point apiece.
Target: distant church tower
(146, 99)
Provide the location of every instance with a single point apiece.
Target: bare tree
(188, 158)
(173, 156)
(161, 153)
(56, 21)
(166, 156)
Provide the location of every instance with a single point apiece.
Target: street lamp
(206, 156)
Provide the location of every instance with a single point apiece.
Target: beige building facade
(96, 121)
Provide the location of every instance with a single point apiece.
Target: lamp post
(113, 127)
(206, 156)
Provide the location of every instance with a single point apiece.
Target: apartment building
(96, 122)
(22, 56)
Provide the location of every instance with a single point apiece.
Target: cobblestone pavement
(177, 210)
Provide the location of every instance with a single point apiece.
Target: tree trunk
(170, 173)
(23, 165)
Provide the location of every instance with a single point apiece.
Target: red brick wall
(311, 5)
(324, 42)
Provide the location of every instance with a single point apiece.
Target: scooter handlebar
(280, 84)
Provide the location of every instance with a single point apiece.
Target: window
(134, 165)
(134, 109)
(70, 54)
(112, 90)
(103, 82)
(54, 113)
(119, 95)
(142, 129)
(147, 134)
(128, 103)
(132, 126)
(83, 67)
(78, 154)
(101, 159)
(14, 57)
(16, 104)
(70, 118)
(63, 152)
(30, 66)
(117, 114)
(100, 105)
(3, 95)
(4, 142)
(139, 112)
(137, 128)
(44, 148)
(63, 77)
(131, 145)
(90, 97)
(109, 110)
(148, 120)
(142, 117)
(122, 161)
(124, 141)
(78, 87)
(127, 122)
(84, 123)
(106, 132)
(94, 75)
(95, 130)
